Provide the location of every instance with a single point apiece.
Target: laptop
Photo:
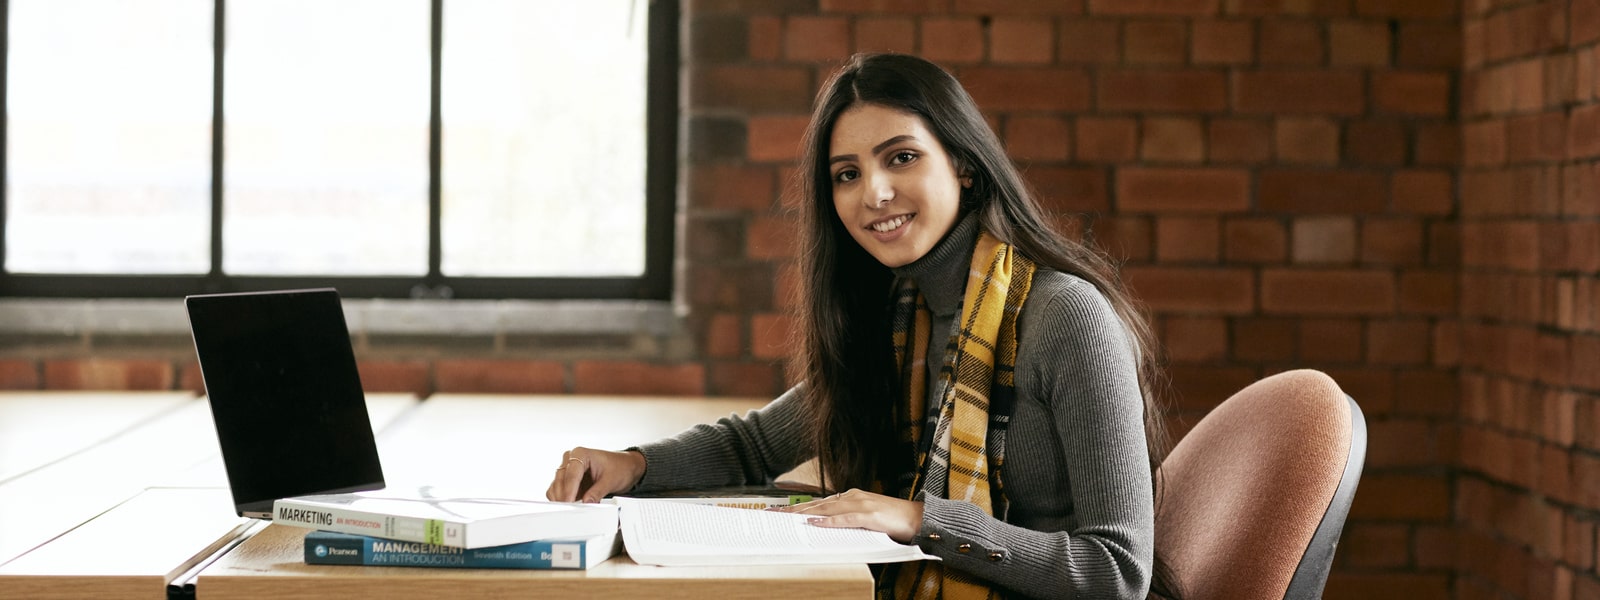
(290, 415)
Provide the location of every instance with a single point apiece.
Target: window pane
(108, 133)
(326, 137)
(543, 150)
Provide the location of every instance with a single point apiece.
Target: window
(325, 137)
(108, 137)
(389, 148)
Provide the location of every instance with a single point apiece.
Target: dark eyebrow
(878, 149)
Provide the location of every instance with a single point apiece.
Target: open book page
(682, 534)
(737, 496)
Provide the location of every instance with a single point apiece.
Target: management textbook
(329, 548)
(424, 516)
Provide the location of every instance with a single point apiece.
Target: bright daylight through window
(326, 128)
(108, 136)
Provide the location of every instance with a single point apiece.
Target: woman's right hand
(587, 475)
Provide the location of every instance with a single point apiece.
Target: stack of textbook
(422, 528)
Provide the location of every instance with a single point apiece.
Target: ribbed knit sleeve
(1076, 368)
(736, 450)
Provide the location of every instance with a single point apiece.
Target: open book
(735, 497)
(683, 534)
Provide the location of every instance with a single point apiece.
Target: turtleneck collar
(941, 274)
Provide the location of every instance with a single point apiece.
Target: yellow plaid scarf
(963, 459)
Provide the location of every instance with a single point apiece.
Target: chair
(1254, 498)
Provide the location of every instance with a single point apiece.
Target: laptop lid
(285, 395)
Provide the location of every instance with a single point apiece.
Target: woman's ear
(963, 171)
(969, 196)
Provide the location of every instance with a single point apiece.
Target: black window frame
(660, 203)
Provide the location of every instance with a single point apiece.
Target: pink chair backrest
(1243, 493)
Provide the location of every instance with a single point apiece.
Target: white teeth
(891, 224)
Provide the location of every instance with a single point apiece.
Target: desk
(39, 428)
(514, 443)
(72, 487)
(270, 565)
(76, 533)
(90, 524)
(130, 551)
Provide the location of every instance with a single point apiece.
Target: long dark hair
(845, 354)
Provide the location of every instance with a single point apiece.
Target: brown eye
(901, 158)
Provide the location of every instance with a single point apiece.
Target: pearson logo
(321, 550)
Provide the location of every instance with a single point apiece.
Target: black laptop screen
(290, 414)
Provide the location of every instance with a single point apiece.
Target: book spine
(356, 522)
(334, 549)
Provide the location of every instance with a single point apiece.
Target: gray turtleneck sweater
(1081, 515)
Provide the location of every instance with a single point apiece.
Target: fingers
(853, 520)
(857, 509)
(557, 492)
(843, 502)
(589, 475)
(569, 476)
(574, 474)
(605, 482)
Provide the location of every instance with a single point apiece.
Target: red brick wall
(1528, 482)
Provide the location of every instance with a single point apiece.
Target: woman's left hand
(865, 510)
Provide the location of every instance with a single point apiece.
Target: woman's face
(894, 187)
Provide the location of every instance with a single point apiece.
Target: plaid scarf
(962, 460)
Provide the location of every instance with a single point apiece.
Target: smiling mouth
(888, 225)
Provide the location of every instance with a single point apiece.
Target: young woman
(974, 382)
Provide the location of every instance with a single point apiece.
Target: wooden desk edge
(270, 564)
(78, 587)
(247, 588)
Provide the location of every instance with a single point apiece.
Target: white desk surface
(38, 428)
(177, 449)
(514, 443)
(41, 504)
(130, 551)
